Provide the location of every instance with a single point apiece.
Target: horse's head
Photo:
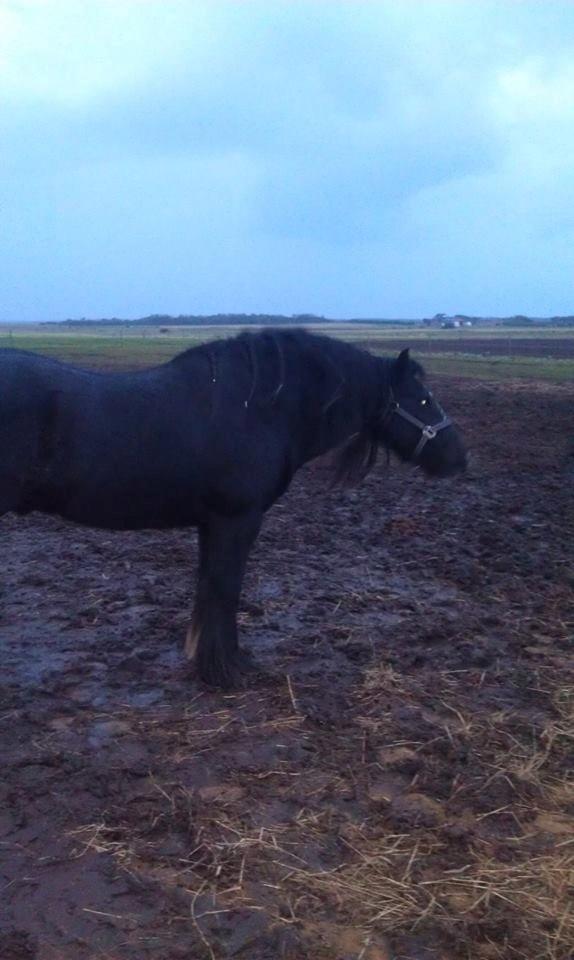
(414, 425)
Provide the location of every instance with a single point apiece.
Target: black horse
(210, 439)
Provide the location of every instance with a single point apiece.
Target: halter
(428, 431)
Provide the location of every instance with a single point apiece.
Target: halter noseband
(428, 431)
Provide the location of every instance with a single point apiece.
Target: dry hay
(504, 896)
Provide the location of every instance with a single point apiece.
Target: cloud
(337, 141)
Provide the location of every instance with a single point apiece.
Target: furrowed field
(480, 352)
(395, 785)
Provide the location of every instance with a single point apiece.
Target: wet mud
(412, 705)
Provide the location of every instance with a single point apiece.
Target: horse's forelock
(399, 371)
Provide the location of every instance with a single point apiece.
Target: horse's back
(160, 447)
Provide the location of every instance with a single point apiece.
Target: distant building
(449, 323)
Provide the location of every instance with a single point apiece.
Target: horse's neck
(354, 401)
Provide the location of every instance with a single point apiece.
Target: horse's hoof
(238, 672)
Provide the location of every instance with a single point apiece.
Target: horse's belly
(125, 506)
(130, 518)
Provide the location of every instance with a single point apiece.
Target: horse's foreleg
(223, 559)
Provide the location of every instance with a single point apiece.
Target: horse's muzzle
(444, 455)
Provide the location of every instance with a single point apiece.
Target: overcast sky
(357, 158)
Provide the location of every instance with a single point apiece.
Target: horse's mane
(357, 457)
(265, 352)
(266, 349)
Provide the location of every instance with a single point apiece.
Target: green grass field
(124, 347)
(481, 367)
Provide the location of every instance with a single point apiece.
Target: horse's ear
(402, 364)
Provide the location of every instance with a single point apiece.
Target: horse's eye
(424, 402)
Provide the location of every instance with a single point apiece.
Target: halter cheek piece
(428, 431)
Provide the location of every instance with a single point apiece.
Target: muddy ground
(394, 784)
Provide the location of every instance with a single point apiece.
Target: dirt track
(410, 733)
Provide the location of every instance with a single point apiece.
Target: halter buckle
(429, 432)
